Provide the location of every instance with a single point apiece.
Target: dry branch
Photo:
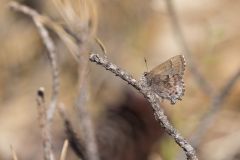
(86, 123)
(80, 21)
(48, 42)
(154, 101)
(72, 136)
(59, 30)
(217, 100)
(54, 67)
(216, 105)
(46, 136)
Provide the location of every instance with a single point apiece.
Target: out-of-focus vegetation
(131, 31)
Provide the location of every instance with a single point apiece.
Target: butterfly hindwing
(166, 80)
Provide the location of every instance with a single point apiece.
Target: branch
(58, 29)
(215, 106)
(48, 42)
(46, 136)
(54, 67)
(154, 101)
(72, 136)
(86, 122)
(202, 82)
(217, 101)
(80, 20)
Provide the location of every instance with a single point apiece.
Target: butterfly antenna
(101, 45)
(145, 60)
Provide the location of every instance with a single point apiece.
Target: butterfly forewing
(173, 65)
(166, 80)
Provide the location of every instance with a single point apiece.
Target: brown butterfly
(166, 80)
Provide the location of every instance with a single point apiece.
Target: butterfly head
(145, 74)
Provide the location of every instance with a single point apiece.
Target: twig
(48, 42)
(64, 150)
(14, 155)
(86, 122)
(54, 66)
(217, 101)
(80, 19)
(64, 36)
(215, 106)
(46, 136)
(101, 45)
(205, 86)
(86, 125)
(22, 8)
(74, 141)
(154, 101)
(85, 117)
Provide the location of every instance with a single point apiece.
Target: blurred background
(130, 31)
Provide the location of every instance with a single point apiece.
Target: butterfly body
(166, 80)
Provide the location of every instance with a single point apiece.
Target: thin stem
(75, 142)
(48, 42)
(214, 108)
(54, 67)
(46, 136)
(86, 123)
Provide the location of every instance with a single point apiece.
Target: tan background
(130, 30)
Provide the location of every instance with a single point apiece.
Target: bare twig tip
(40, 92)
(94, 58)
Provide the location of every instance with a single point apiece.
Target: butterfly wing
(166, 80)
(173, 65)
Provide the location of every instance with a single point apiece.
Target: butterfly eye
(145, 73)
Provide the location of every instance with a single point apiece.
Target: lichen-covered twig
(46, 136)
(205, 86)
(48, 42)
(215, 106)
(154, 101)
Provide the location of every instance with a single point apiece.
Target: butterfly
(166, 80)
